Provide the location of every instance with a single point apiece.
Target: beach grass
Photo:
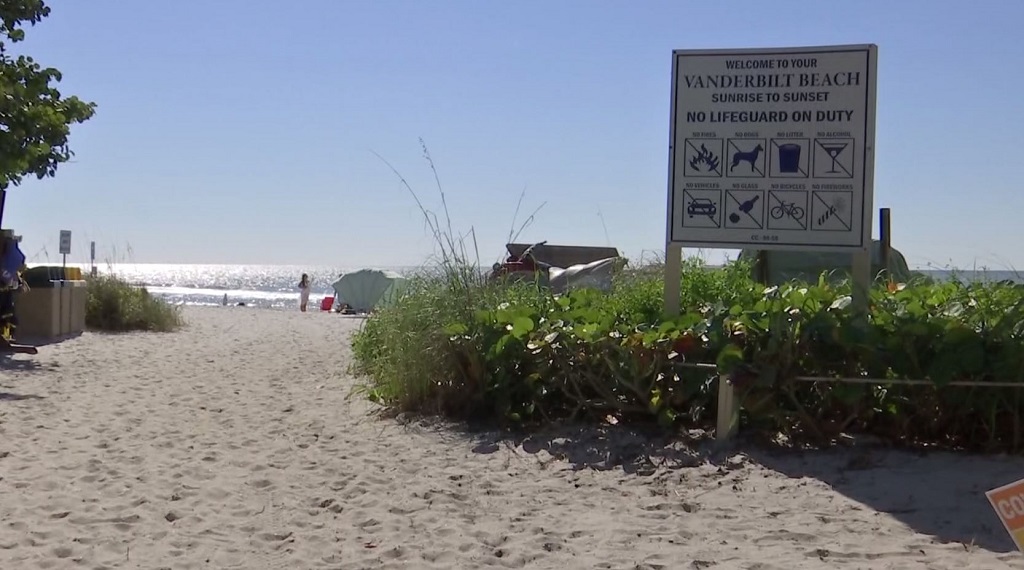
(115, 305)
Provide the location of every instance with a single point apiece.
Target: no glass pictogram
(744, 209)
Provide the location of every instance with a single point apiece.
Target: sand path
(232, 445)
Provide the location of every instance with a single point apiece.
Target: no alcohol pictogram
(833, 158)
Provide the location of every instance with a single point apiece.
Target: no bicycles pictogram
(787, 210)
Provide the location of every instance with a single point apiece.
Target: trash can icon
(789, 158)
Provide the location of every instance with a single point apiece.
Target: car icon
(701, 207)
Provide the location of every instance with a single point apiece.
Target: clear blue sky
(241, 131)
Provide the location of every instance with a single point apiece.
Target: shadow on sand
(12, 397)
(9, 362)
(939, 494)
(40, 342)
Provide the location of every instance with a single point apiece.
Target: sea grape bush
(517, 354)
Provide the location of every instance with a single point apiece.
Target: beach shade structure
(783, 266)
(561, 255)
(368, 289)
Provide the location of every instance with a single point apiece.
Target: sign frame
(65, 242)
(1016, 535)
(865, 220)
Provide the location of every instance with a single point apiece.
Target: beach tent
(808, 265)
(367, 289)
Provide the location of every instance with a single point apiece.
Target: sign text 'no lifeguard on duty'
(772, 148)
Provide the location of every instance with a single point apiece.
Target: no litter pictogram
(789, 158)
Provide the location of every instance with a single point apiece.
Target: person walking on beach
(303, 292)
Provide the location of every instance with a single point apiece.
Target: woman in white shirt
(303, 292)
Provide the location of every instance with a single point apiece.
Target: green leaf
(36, 116)
(666, 417)
(729, 358)
(655, 401)
(455, 329)
(521, 326)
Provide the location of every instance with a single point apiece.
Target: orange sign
(1008, 501)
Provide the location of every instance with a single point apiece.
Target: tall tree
(35, 119)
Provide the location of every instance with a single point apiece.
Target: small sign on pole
(1008, 502)
(65, 242)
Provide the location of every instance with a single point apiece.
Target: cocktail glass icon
(833, 149)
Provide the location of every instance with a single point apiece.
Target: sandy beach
(234, 444)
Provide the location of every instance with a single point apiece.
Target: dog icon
(750, 157)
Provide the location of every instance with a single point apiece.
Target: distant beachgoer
(303, 292)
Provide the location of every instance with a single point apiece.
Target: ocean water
(259, 286)
(276, 286)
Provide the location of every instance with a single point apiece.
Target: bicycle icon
(789, 209)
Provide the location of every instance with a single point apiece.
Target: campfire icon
(703, 157)
(705, 161)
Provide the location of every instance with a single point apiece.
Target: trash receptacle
(50, 308)
(789, 158)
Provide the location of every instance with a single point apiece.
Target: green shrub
(115, 305)
(520, 355)
(456, 344)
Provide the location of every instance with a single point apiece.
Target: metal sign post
(65, 249)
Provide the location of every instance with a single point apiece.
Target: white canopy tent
(367, 289)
